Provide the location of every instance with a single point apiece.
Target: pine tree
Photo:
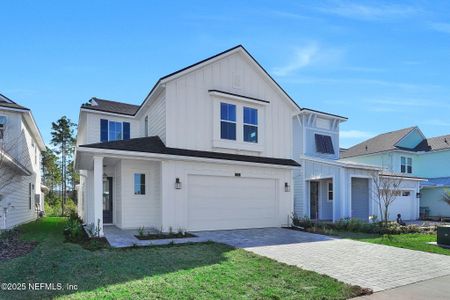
(64, 142)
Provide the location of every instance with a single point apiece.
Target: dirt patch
(11, 246)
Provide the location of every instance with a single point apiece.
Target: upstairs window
(2, 126)
(227, 121)
(139, 184)
(250, 125)
(324, 144)
(114, 131)
(406, 165)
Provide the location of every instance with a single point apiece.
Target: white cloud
(309, 55)
(302, 58)
(437, 122)
(441, 27)
(355, 134)
(367, 12)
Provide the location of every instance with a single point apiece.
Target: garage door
(404, 205)
(216, 202)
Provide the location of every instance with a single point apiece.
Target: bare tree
(386, 189)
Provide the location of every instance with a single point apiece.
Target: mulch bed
(11, 246)
(163, 236)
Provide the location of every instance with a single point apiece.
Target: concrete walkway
(368, 265)
(432, 289)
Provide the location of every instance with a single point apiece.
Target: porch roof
(154, 144)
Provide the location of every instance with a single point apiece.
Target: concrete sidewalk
(432, 289)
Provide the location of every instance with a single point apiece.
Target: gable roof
(132, 110)
(388, 141)
(155, 145)
(111, 106)
(6, 102)
(382, 142)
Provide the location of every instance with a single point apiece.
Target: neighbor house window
(2, 126)
(227, 121)
(139, 184)
(114, 131)
(330, 191)
(146, 126)
(250, 125)
(406, 165)
(324, 144)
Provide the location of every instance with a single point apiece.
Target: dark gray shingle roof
(6, 102)
(382, 142)
(111, 106)
(155, 145)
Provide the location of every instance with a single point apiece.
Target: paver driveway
(374, 266)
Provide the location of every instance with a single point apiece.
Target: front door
(107, 200)
(314, 199)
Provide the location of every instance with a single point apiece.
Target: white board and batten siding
(190, 107)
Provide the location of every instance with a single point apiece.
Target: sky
(384, 65)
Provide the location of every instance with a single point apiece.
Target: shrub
(73, 231)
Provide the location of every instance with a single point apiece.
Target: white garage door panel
(231, 202)
(403, 205)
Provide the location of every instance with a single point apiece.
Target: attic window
(324, 144)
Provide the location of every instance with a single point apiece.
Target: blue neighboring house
(409, 152)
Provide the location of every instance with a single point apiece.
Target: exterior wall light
(417, 195)
(177, 183)
(287, 188)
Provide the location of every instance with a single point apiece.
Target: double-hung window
(114, 131)
(406, 165)
(330, 191)
(139, 184)
(250, 125)
(227, 121)
(2, 126)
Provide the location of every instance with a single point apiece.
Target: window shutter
(103, 130)
(126, 130)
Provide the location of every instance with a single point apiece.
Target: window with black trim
(139, 184)
(250, 125)
(324, 144)
(227, 121)
(330, 191)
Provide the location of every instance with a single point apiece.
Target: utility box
(443, 235)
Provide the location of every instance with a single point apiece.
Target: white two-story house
(20, 178)
(210, 147)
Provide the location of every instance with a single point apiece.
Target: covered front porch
(334, 190)
(120, 192)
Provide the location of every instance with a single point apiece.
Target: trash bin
(443, 235)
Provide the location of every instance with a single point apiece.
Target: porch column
(98, 193)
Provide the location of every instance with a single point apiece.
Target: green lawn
(413, 241)
(197, 271)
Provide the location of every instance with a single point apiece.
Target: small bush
(73, 231)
